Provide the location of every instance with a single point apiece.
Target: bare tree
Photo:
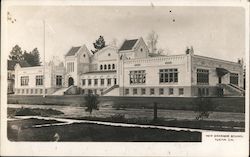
(152, 40)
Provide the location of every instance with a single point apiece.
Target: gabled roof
(128, 44)
(12, 64)
(73, 51)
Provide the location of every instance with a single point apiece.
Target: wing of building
(131, 70)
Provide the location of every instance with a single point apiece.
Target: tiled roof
(128, 44)
(73, 51)
(12, 64)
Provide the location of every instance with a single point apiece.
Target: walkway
(64, 121)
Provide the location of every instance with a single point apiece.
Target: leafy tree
(99, 44)
(36, 57)
(33, 58)
(16, 53)
(91, 102)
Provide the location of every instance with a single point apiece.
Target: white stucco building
(131, 71)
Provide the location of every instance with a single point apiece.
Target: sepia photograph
(125, 73)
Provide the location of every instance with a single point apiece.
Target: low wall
(225, 104)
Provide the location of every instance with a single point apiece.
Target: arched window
(105, 67)
(113, 66)
(101, 67)
(109, 67)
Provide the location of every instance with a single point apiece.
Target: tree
(36, 57)
(152, 40)
(91, 102)
(33, 58)
(99, 44)
(16, 53)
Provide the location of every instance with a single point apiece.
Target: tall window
(126, 91)
(109, 66)
(105, 67)
(101, 67)
(70, 67)
(24, 80)
(181, 91)
(39, 80)
(113, 66)
(58, 80)
(234, 77)
(170, 91)
(95, 82)
(152, 91)
(137, 77)
(83, 82)
(143, 91)
(135, 91)
(202, 76)
(102, 82)
(89, 82)
(109, 81)
(168, 75)
(115, 81)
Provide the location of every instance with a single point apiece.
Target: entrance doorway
(219, 80)
(71, 81)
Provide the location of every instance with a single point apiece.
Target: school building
(130, 70)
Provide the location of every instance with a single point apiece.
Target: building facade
(131, 71)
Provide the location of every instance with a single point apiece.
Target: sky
(217, 32)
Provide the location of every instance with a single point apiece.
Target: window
(234, 78)
(161, 91)
(141, 49)
(70, 67)
(31, 91)
(22, 91)
(137, 77)
(171, 91)
(95, 82)
(27, 91)
(152, 91)
(39, 80)
(109, 81)
(58, 80)
(84, 55)
(105, 67)
(109, 66)
(108, 54)
(143, 91)
(207, 91)
(102, 82)
(115, 82)
(46, 91)
(202, 76)
(113, 66)
(135, 91)
(101, 67)
(24, 80)
(181, 91)
(83, 82)
(126, 91)
(89, 82)
(18, 91)
(168, 75)
(35, 91)
(41, 91)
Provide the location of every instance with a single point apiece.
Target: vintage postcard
(113, 78)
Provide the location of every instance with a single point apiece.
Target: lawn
(94, 133)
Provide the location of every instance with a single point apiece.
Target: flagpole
(43, 58)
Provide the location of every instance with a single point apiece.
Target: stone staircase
(105, 92)
(232, 90)
(71, 90)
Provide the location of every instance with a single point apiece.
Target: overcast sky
(213, 31)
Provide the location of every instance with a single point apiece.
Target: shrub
(91, 102)
(203, 106)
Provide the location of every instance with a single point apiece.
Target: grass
(94, 132)
(224, 104)
(32, 112)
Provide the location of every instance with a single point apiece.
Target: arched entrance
(71, 81)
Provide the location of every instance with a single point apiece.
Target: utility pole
(43, 58)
